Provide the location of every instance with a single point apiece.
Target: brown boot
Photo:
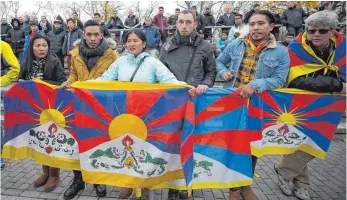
(234, 195)
(53, 179)
(248, 193)
(125, 192)
(43, 178)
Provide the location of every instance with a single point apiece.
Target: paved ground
(328, 180)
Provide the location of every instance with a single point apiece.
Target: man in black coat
(276, 30)
(200, 19)
(57, 36)
(209, 21)
(16, 38)
(44, 25)
(104, 30)
(5, 27)
(115, 23)
(227, 19)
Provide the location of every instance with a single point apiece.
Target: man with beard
(255, 63)
(57, 36)
(89, 60)
(16, 38)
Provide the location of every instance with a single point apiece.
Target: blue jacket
(150, 70)
(27, 41)
(220, 44)
(272, 68)
(152, 36)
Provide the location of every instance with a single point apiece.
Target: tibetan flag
(129, 134)
(39, 124)
(289, 120)
(215, 141)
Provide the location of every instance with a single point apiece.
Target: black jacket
(70, 38)
(53, 72)
(16, 38)
(293, 17)
(48, 28)
(201, 22)
(177, 57)
(4, 29)
(317, 81)
(225, 20)
(116, 23)
(132, 21)
(104, 30)
(277, 22)
(57, 40)
(209, 21)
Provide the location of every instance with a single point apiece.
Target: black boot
(183, 194)
(173, 194)
(100, 190)
(75, 187)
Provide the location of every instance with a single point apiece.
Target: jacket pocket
(269, 66)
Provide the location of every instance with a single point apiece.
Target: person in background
(104, 30)
(132, 21)
(200, 19)
(209, 21)
(34, 30)
(240, 30)
(57, 36)
(173, 18)
(64, 27)
(16, 38)
(121, 50)
(5, 27)
(152, 37)
(44, 25)
(320, 73)
(289, 38)
(276, 30)
(77, 22)
(115, 23)
(160, 22)
(73, 33)
(226, 20)
(256, 7)
(90, 58)
(221, 43)
(254, 64)
(236, 10)
(21, 20)
(293, 18)
(26, 24)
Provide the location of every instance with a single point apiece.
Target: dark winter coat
(209, 21)
(57, 40)
(177, 57)
(294, 17)
(70, 38)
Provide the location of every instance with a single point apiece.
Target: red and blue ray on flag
(116, 127)
(38, 120)
(215, 142)
(290, 120)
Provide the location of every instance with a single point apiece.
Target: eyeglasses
(321, 31)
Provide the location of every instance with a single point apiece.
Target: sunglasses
(321, 31)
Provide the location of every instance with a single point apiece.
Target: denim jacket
(272, 68)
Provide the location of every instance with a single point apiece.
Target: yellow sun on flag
(283, 116)
(127, 124)
(53, 115)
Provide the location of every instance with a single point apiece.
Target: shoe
(234, 195)
(53, 179)
(301, 193)
(75, 187)
(43, 178)
(183, 194)
(173, 194)
(100, 190)
(248, 193)
(283, 183)
(125, 193)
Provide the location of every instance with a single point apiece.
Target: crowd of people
(249, 58)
